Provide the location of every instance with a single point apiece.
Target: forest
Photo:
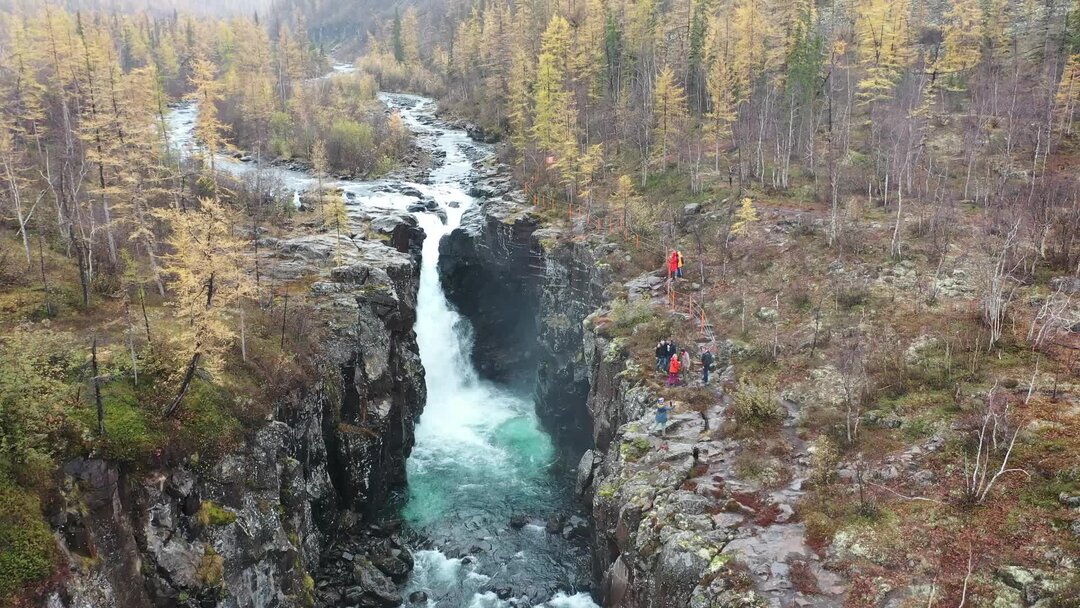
(950, 103)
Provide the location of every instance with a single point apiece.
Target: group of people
(676, 363)
(675, 264)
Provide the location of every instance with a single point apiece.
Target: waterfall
(481, 457)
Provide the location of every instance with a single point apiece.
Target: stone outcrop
(674, 526)
(288, 518)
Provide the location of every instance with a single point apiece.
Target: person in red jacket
(674, 366)
(673, 264)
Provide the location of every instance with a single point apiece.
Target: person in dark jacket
(707, 361)
(661, 356)
(672, 350)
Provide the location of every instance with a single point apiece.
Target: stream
(483, 477)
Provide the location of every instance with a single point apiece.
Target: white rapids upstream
(480, 457)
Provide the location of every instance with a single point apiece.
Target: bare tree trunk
(97, 387)
(189, 375)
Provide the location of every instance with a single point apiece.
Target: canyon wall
(289, 519)
(526, 291)
(656, 541)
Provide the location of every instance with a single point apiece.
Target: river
(481, 458)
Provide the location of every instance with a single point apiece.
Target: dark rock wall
(526, 292)
(258, 527)
(489, 270)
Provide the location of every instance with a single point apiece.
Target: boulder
(377, 585)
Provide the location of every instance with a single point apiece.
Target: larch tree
(882, 37)
(554, 111)
(320, 165)
(208, 127)
(519, 80)
(206, 277)
(962, 39)
(410, 36)
(337, 219)
(1067, 98)
(669, 115)
(744, 217)
(720, 83)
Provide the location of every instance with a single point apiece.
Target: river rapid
(481, 459)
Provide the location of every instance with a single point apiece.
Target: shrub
(626, 315)
(27, 549)
(757, 405)
(129, 434)
(853, 296)
(820, 529)
(823, 461)
(39, 371)
(209, 428)
(351, 145)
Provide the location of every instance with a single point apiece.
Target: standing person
(672, 350)
(707, 360)
(679, 261)
(662, 410)
(684, 365)
(661, 356)
(673, 371)
(673, 264)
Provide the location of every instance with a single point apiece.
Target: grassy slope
(920, 362)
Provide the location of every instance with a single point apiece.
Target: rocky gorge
(296, 517)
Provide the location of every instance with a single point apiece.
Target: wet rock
(393, 567)
(377, 585)
(418, 597)
(518, 521)
(586, 466)
(480, 134)
(554, 524)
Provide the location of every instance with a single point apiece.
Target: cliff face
(659, 540)
(262, 525)
(526, 293)
(661, 530)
